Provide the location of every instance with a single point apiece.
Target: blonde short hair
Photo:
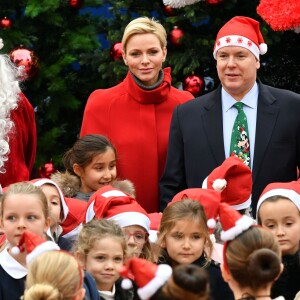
(144, 25)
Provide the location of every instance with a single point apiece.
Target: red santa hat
(34, 246)
(243, 32)
(234, 180)
(290, 190)
(148, 276)
(41, 181)
(155, 219)
(209, 199)
(233, 223)
(113, 204)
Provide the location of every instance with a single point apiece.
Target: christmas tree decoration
(22, 56)
(5, 22)
(47, 170)
(169, 10)
(179, 3)
(213, 1)
(76, 3)
(194, 84)
(116, 51)
(280, 14)
(175, 36)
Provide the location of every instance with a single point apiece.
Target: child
(101, 249)
(58, 211)
(24, 207)
(252, 259)
(54, 275)
(158, 282)
(278, 209)
(184, 239)
(113, 204)
(90, 164)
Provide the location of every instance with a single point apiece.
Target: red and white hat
(243, 32)
(233, 223)
(34, 246)
(113, 204)
(41, 181)
(209, 199)
(155, 219)
(289, 190)
(234, 180)
(148, 276)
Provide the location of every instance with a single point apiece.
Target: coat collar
(155, 96)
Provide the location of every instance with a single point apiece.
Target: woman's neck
(151, 87)
(247, 294)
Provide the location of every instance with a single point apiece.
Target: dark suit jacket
(196, 143)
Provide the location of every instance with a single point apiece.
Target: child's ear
(281, 270)
(225, 274)
(47, 224)
(80, 294)
(80, 258)
(77, 169)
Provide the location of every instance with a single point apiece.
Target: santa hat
(155, 219)
(243, 32)
(113, 204)
(148, 276)
(234, 180)
(209, 199)
(41, 181)
(290, 190)
(34, 246)
(233, 223)
(72, 224)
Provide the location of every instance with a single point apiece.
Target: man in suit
(200, 133)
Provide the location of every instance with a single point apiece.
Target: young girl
(24, 207)
(101, 249)
(252, 259)
(54, 275)
(184, 239)
(114, 204)
(90, 164)
(278, 209)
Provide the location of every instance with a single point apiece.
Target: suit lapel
(267, 112)
(213, 126)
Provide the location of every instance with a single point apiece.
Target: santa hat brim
(44, 247)
(162, 274)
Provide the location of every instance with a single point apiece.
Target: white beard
(9, 96)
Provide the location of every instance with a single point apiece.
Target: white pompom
(219, 185)
(211, 223)
(15, 250)
(126, 284)
(263, 48)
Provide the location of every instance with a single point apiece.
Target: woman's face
(144, 57)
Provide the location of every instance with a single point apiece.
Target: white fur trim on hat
(113, 193)
(240, 41)
(90, 213)
(73, 234)
(162, 274)
(130, 218)
(291, 194)
(243, 205)
(1, 44)
(62, 199)
(179, 3)
(46, 246)
(153, 236)
(241, 225)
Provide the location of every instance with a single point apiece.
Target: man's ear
(225, 274)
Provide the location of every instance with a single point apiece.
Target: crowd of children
(83, 235)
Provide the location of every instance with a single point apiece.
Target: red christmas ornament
(5, 23)
(194, 84)
(46, 170)
(280, 15)
(175, 36)
(116, 51)
(169, 10)
(76, 3)
(213, 1)
(24, 57)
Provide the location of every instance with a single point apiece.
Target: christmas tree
(76, 44)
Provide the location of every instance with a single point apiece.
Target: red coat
(137, 122)
(22, 144)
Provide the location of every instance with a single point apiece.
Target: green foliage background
(73, 62)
